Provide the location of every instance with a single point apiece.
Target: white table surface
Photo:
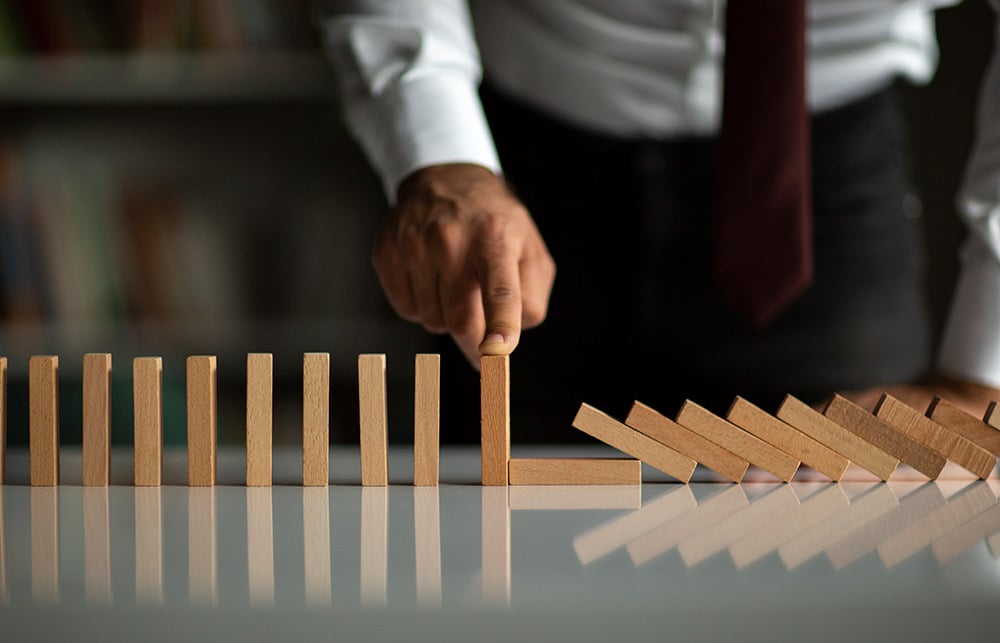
(759, 561)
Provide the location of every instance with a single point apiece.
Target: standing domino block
(667, 432)
(316, 419)
(374, 421)
(3, 420)
(829, 433)
(43, 403)
(931, 434)
(876, 432)
(968, 426)
(201, 420)
(260, 369)
(735, 439)
(426, 420)
(96, 419)
(495, 414)
(147, 386)
(574, 471)
(790, 440)
(612, 432)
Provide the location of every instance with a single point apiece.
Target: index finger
(499, 278)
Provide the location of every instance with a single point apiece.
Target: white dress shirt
(410, 70)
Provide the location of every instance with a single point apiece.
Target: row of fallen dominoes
(796, 435)
(201, 419)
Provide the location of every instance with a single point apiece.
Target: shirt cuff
(424, 121)
(970, 348)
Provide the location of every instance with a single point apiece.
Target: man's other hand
(461, 255)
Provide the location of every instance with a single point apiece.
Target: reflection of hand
(461, 255)
(973, 398)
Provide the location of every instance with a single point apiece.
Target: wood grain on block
(147, 401)
(968, 426)
(3, 420)
(426, 420)
(495, 415)
(649, 422)
(619, 531)
(612, 432)
(829, 433)
(43, 421)
(96, 419)
(316, 419)
(374, 422)
(735, 439)
(787, 438)
(260, 392)
(992, 415)
(574, 471)
(921, 428)
(201, 420)
(885, 437)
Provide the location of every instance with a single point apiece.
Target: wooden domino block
(147, 400)
(665, 431)
(612, 432)
(43, 421)
(787, 438)
(876, 432)
(374, 421)
(426, 419)
(992, 415)
(968, 426)
(316, 419)
(928, 432)
(201, 420)
(743, 444)
(3, 420)
(574, 471)
(260, 392)
(494, 395)
(96, 419)
(830, 434)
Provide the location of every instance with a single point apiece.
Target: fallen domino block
(574, 471)
(612, 432)
(876, 432)
(705, 452)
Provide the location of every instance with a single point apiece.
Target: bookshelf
(175, 180)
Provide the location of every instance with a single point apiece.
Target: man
(606, 116)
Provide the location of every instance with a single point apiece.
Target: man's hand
(461, 255)
(973, 398)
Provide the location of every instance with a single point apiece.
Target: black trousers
(634, 313)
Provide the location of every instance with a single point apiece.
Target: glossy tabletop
(907, 560)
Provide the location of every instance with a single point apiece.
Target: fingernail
(494, 338)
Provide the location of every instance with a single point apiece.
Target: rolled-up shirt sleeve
(409, 74)
(970, 348)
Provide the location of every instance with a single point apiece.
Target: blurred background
(175, 179)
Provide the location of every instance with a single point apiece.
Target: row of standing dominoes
(201, 419)
(796, 435)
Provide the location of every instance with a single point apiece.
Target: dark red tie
(763, 224)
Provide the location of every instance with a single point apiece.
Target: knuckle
(533, 314)
(501, 293)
